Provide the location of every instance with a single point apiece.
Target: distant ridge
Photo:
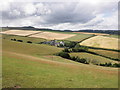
(117, 32)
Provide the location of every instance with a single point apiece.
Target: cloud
(60, 15)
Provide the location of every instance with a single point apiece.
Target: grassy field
(33, 74)
(114, 36)
(93, 58)
(29, 66)
(25, 39)
(31, 49)
(107, 53)
(79, 37)
(102, 42)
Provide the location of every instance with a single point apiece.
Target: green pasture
(92, 58)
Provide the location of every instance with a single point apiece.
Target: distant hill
(117, 32)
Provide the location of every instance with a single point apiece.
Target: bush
(64, 55)
(14, 39)
(82, 60)
(79, 48)
(116, 65)
(19, 40)
(66, 50)
(70, 44)
(102, 64)
(74, 58)
(108, 64)
(29, 42)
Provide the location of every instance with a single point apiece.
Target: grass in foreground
(32, 74)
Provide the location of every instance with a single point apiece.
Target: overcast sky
(86, 14)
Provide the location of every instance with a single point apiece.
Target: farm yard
(102, 42)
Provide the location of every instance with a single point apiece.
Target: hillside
(29, 69)
(102, 42)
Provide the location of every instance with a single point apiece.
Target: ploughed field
(102, 42)
(35, 66)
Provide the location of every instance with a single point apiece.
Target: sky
(60, 15)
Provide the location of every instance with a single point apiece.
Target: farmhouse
(54, 43)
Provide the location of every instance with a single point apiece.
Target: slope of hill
(102, 42)
(24, 67)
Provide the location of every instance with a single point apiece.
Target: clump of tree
(29, 42)
(116, 65)
(13, 39)
(106, 64)
(69, 44)
(66, 50)
(64, 55)
(79, 48)
(110, 64)
(20, 40)
(77, 59)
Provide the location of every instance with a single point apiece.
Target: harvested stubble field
(102, 42)
(38, 34)
(20, 32)
(51, 35)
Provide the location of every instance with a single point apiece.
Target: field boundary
(86, 38)
(101, 48)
